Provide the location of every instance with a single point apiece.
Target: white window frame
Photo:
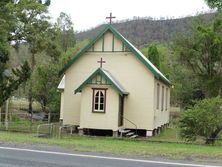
(99, 109)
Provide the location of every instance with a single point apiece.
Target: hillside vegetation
(141, 31)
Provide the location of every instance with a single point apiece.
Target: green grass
(169, 135)
(123, 146)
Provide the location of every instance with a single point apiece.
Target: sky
(87, 14)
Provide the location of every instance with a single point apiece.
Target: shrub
(203, 119)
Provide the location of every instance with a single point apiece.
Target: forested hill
(143, 30)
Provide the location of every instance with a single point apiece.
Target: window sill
(100, 112)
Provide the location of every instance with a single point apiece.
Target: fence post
(49, 117)
(60, 132)
(6, 114)
(0, 115)
(50, 129)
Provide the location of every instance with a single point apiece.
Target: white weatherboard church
(110, 85)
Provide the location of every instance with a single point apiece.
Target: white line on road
(109, 158)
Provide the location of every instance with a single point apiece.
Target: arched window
(99, 100)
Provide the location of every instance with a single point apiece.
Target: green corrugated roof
(108, 76)
(134, 50)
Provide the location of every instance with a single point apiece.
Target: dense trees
(33, 27)
(144, 31)
(10, 78)
(214, 4)
(25, 26)
(61, 40)
(201, 53)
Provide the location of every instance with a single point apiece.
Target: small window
(158, 96)
(166, 101)
(162, 104)
(99, 100)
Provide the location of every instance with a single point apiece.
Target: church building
(110, 85)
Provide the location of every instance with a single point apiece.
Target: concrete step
(124, 131)
(134, 136)
(130, 134)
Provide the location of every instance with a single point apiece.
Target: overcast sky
(86, 14)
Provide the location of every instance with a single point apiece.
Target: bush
(203, 119)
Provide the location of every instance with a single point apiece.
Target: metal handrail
(130, 122)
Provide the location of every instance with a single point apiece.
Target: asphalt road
(16, 157)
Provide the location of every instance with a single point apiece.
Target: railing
(50, 126)
(131, 123)
(22, 121)
(65, 126)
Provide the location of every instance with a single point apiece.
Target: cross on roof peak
(101, 62)
(110, 18)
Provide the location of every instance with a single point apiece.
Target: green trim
(127, 44)
(103, 43)
(113, 42)
(100, 72)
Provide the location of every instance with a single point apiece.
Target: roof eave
(99, 71)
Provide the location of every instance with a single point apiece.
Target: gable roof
(107, 75)
(130, 46)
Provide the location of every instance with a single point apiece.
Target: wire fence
(26, 122)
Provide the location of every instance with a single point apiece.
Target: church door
(121, 109)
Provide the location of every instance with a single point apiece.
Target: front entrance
(121, 109)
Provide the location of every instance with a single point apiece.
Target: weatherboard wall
(108, 119)
(62, 105)
(127, 69)
(161, 116)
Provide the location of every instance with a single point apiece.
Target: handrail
(130, 122)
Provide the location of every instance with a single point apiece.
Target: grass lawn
(123, 146)
(169, 135)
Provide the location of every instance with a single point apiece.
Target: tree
(153, 55)
(201, 52)
(34, 29)
(44, 89)
(160, 55)
(66, 36)
(203, 119)
(214, 4)
(10, 78)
